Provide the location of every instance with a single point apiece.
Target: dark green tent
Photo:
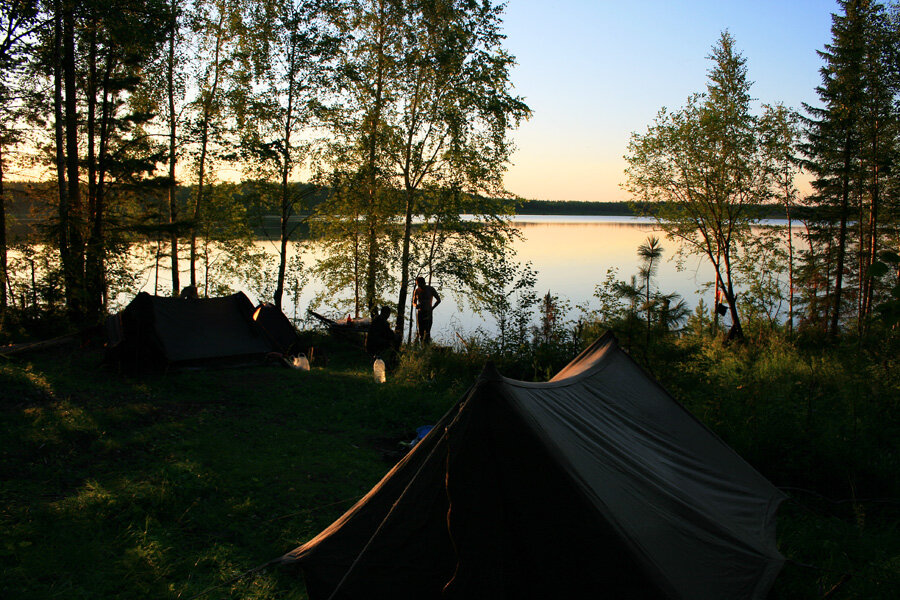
(597, 484)
(158, 332)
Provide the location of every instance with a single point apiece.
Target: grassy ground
(162, 487)
(166, 486)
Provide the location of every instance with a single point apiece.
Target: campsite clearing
(169, 485)
(160, 487)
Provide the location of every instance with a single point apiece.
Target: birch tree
(702, 166)
(292, 52)
(452, 108)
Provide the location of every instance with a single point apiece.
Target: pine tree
(847, 150)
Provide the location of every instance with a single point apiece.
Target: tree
(342, 239)
(118, 152)
(292, 54)
(19, 21)
(217, 26)
(879, 120)
(667, 309)
(649, 252)
(781, 136)
(458, 239)
(849, 147)
(699, 169)
(165, 96)
(452, 108)
(421, 123)
(509, 297)
(175, 86)
(96, 56)
(355, 120)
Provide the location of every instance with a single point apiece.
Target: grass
(162, 487)
(167, 486)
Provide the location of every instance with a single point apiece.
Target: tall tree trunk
(410, 186)
(204, 140)
(737, 331)
(861, 255)
(829, 262)
(285, 191)
(95, 263)
(356, 236)
(173, 201)
(372, 191)
(92, 260)
(404, 263)
(790, 236)
(872, 226)
(74, 271)
(841, 245)
(3, 257)
(63, 192)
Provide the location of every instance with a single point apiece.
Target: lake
(571, 255)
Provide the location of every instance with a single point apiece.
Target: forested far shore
(29, 202)
(771, 210)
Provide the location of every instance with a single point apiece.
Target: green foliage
(762, 264)
(889, 309)
(507, 294)
(357, 237)
(819, 422)
(634, 308)
(610, 301)
(851, 141)
(701, 167)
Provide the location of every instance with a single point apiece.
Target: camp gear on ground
(378, 371)
(301, 362)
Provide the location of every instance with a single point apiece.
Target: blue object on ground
(421, 432)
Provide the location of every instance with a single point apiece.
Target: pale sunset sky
(595, 71)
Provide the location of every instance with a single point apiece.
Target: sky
(595, 71)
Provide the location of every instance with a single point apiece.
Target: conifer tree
(847, 147)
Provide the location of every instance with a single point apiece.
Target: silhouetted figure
(381, 340)
(425, 299)
(189, 293)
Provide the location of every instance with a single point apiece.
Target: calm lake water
(571, 255)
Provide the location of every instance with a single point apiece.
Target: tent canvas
(157, 331)
(595, 484)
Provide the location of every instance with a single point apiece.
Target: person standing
(425, 299)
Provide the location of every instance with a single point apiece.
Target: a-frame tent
(597, 484)
(159, 332)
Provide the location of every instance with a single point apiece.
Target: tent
(596, 484)
(158, 332)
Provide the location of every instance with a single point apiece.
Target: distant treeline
(23, 196)
(575, 207)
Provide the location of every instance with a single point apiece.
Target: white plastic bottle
(301, 362)
(378, 371)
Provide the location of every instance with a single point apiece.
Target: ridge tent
(157, 332)
(594, 484)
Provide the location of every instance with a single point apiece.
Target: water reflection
(571, 255)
